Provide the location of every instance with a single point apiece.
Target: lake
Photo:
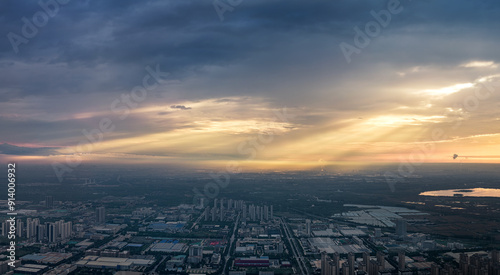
(474, 192)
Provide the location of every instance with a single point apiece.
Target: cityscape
(267, 232)
(249, 137)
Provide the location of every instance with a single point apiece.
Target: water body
(474, 192)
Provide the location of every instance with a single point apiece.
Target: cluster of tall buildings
(248, 212)
(195, 254)
(48, 232)
(6, 228)
(218, 211)
(332, 266)
(257, 213)
(475, 264)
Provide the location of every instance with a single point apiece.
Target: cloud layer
(429, 68)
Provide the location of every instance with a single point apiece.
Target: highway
(233, 237)
(153, 271)
(198, 219)
(296, 252)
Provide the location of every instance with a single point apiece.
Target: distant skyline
(267, 85)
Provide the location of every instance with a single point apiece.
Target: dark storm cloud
(182, 107)
(8, 149)
(286, 51)
(186, 36)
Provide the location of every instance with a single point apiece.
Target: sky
(266, 84)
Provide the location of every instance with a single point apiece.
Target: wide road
(233, 237)
(198, 219)
(296, 252)
(153, 271)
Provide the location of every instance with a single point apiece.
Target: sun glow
(480, 64)
(445, 91)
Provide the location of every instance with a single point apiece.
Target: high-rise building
(336, 260)
(65, 229)
(374, 267)
(214, 213)
(100, 215)
(195, 251)
(272, 212)
(401, 260)
(494, 256)
(366, 258)
(28, 229)
(330, 266)
(49, 201)
(346, 269)
(281, 247)
(195, 254)
(324, 260)
(31, 227)
(351, 260)
(363, 267)
(464, 263)
(51, 232)
(19, 228)
(381, 260)
(266, 212)
(401, 227)
(244, 212)
(251, 211)
(5, 228)
(221, 212)
(434, 269)
(58, 227)
(308, 228)
(207, 213)
(41, 232)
